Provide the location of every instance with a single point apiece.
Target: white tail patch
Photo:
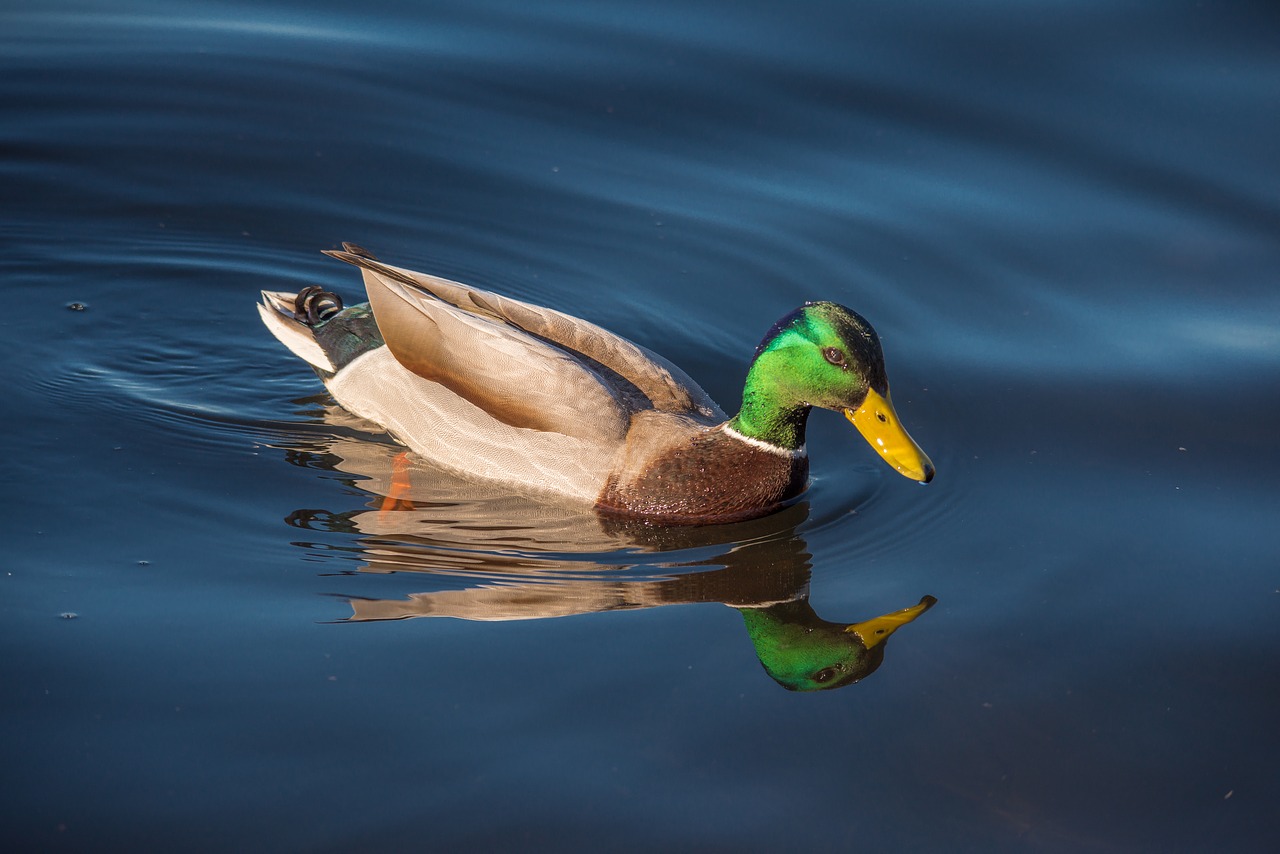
(292, 334)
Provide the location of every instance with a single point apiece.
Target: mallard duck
(545, 403)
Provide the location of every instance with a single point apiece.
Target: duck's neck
(769, 412)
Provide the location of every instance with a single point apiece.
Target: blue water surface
(1063, 218)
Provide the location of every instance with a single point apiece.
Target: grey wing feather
(664, 385)
(517, 378)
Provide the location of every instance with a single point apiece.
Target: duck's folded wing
(513, 376)
(664, 385)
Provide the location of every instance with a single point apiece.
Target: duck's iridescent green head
(823, 354)
(803, 652)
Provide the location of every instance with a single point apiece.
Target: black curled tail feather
(313, 305)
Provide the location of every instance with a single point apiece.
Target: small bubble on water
(76, 305)
(68, 615)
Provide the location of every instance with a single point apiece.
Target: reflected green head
(809, 655)
(803, 652)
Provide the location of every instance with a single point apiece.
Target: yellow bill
(879, 425)
(874, 631)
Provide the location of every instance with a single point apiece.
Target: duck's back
(459, 334)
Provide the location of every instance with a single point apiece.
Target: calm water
(1064, 221)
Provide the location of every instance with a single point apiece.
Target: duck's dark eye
(824, 675)
(835, 356)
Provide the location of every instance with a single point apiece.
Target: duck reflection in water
(531, 560)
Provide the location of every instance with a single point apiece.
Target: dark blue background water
(1063, 218)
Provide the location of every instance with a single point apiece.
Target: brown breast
(705, 476)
